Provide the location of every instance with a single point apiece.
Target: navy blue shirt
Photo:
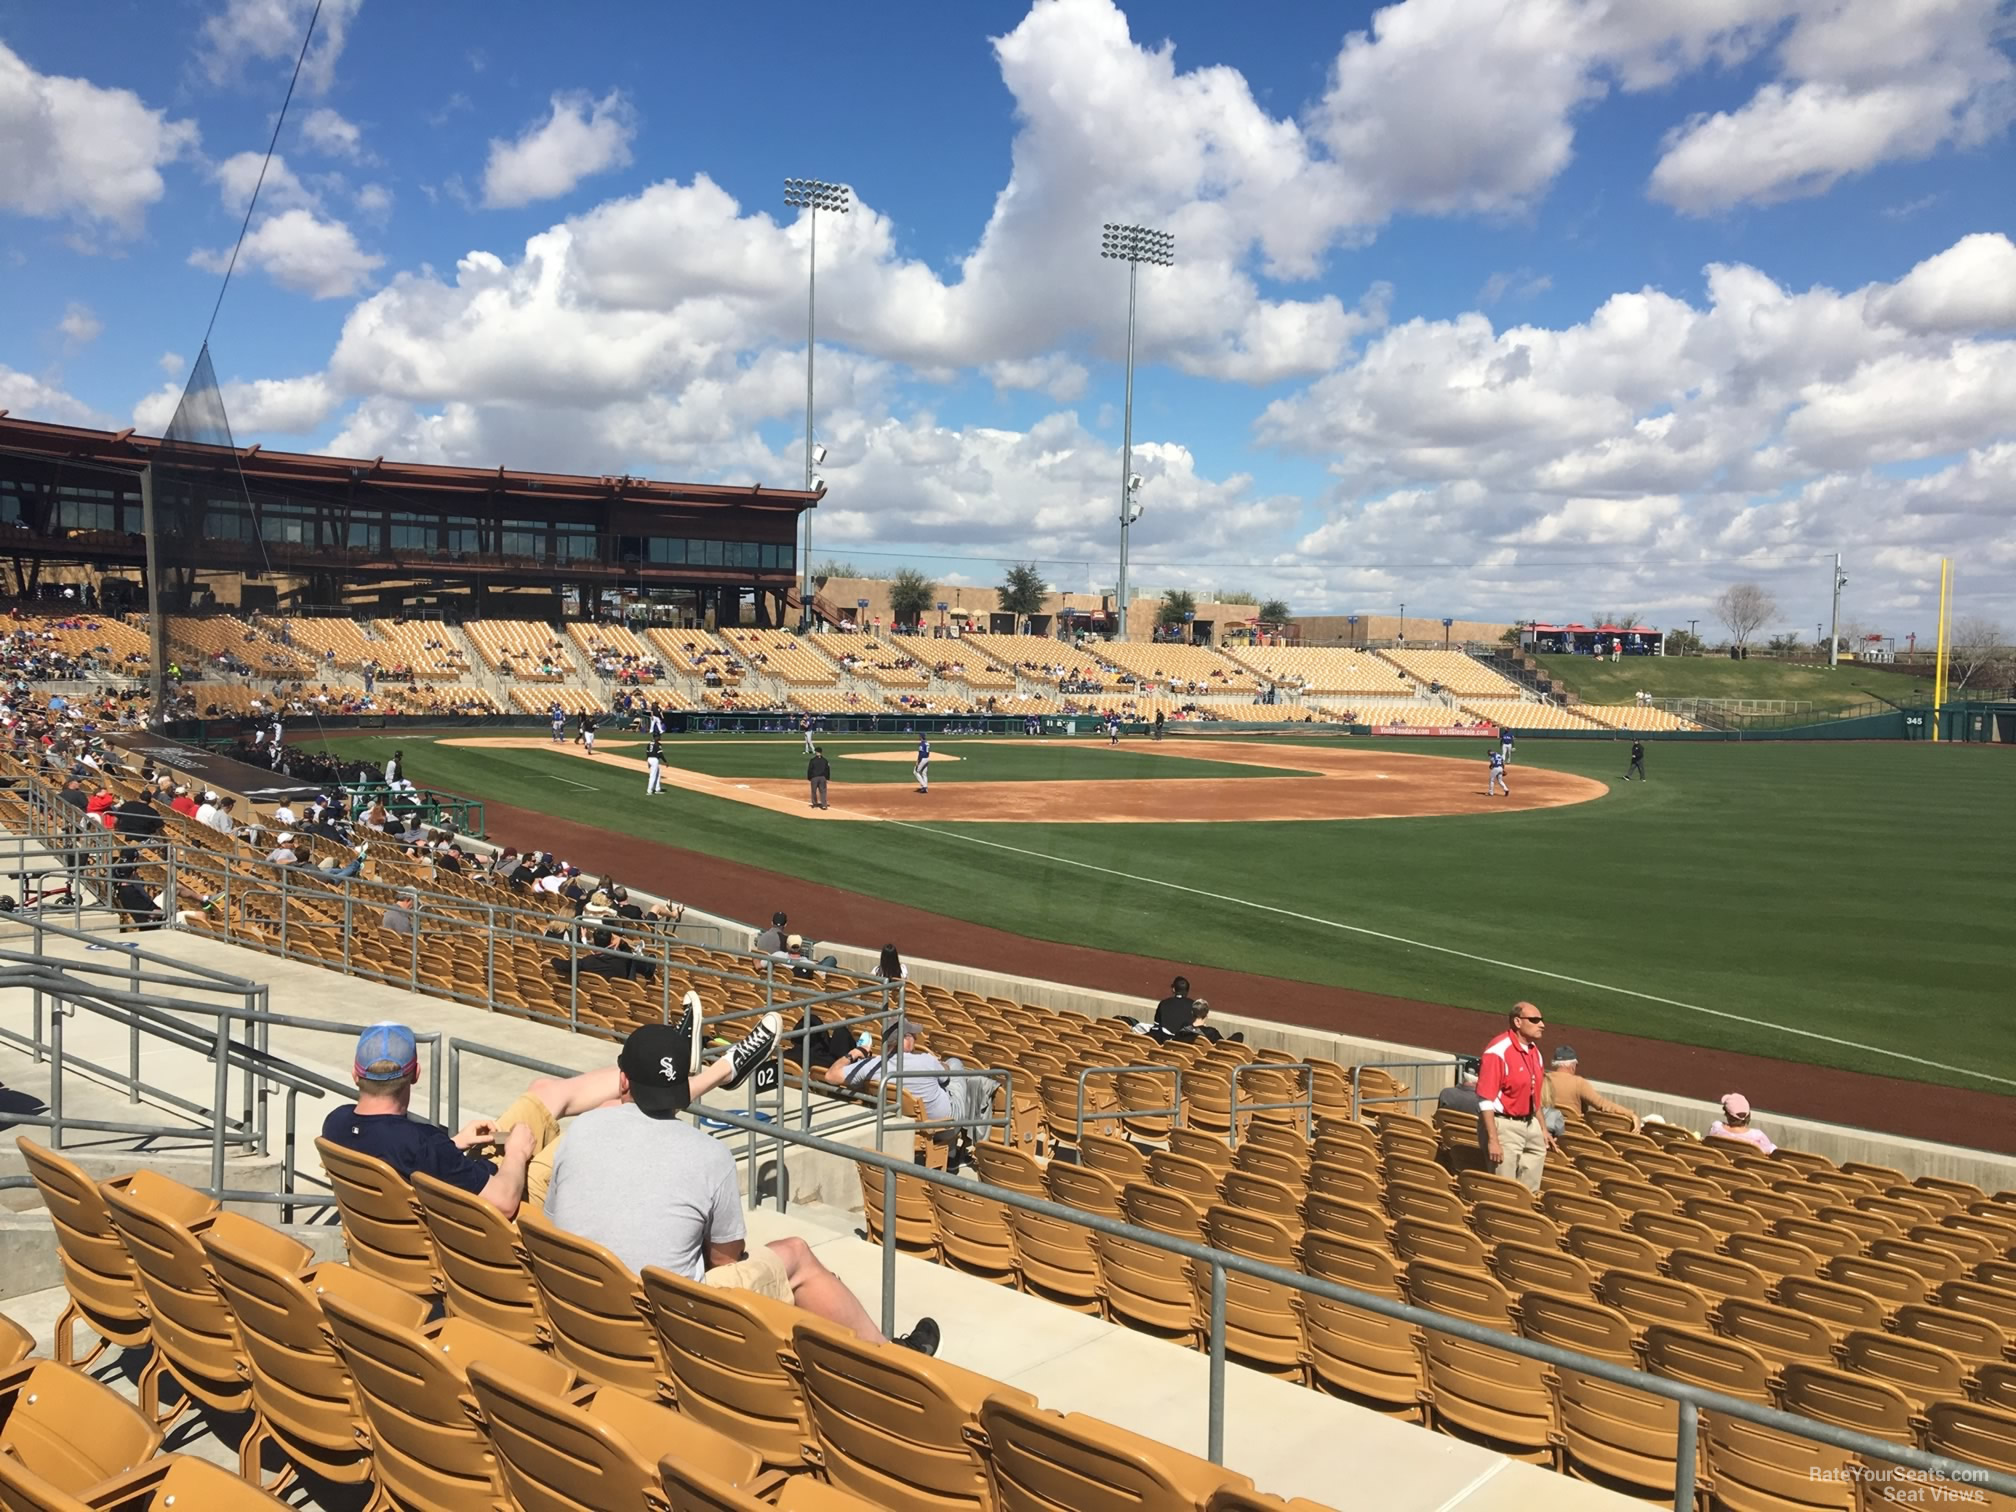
(407, 1145)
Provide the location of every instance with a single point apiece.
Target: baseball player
(657, 722)
(1112, 729)
(1637, 761)
(805, 729)
(559, 716)
(588, 733)
(923, 767)
(1498, 782)
(1505, 744)
(654, 765)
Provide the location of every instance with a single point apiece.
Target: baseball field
(1841, 905)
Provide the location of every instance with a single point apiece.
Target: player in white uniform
(1498, 782)
(654, 765)
(588, 733)
(923, 767)
(805, 728)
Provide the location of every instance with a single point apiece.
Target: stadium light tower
(812, 196)
(1133, 245)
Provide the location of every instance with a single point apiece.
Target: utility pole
(1834, 625)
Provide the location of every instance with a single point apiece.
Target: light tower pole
(1834, 640)
(811, 196)
(1132, 245)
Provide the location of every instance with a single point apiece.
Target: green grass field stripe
(1450, 950)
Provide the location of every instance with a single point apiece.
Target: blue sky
(1530, 308)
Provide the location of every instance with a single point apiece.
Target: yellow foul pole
(1939, 666)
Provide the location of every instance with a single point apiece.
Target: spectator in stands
(283, 852)
(890, 967)
(1176, 1012)
(100, 804)
(1568, 1091)
(182, 803)
(961, 1100)
(136, 816)
(771, 940)
(1509, 1089)
(1735, 1124)
(1461, 1095)
(399, 914)
(73, 794)
(694, 1225)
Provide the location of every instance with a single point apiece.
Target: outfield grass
(1828, 690)
(977, 760)
(1858, 892)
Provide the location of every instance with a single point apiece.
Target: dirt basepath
(1342, 784)
(1949, 1115)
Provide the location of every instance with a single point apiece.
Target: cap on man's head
(1565, 1055)
(654, 1060)
(778, 920)
(387, 1052)
(796, 942)
(1736, 1106)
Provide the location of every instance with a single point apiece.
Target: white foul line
(585, 786)
(1450, 950)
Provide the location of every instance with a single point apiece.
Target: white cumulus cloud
(302, 251)
(331, 135)
(579, 137)
(80, 325)
(270, 31)
(72, 150)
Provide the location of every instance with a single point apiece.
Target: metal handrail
(1450, 1063)
(1305, 1104)
(1088, 1072)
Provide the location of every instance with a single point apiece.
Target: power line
(1781, 563)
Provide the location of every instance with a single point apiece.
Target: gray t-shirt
(934, 1094)
(655, 1191)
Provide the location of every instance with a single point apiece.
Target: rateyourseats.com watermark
(1895, 1485)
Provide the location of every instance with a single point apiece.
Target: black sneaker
(689, 1026)
(753, 1049)
(923, 1338)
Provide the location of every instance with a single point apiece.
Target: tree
(1275, 612)
(1682, 643)
(1745, 609)
(1788, 642)
(1176, 603)
(1972, 644)
(1622, 617)
(1234, 596)
(911, 594)
(832, 568)
(1023, 592)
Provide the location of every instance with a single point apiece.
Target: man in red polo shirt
(1509, 1090)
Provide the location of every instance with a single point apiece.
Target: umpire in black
(818, 770)
(1637, 761)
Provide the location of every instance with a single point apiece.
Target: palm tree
(1176, 603)
(1023, 592)
(911, 594)
(1275, 612)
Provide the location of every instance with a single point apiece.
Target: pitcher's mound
(908, 758)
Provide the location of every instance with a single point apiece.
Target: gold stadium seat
(1417, 1239)
(166, 1483)
(1772, 1471)
(1847, 1400)
(1147, 1288)
(1667, 1231)
(1165, 1210)
(1497, 1223)
(1527, 1267)
(1702, 1359)
(691, 1489)
(1349, 1183)
(411, 1384)
(1178, 1173)
(916, 1223)
(1408, 1199)
(16, 1343)
(723, 1350)
(98, 1274)
(1488, 1186)
(380, 1230)
(1606, 1249)
(1842, 1308)
(1264, 1194)
(1422, 1171)
(483, 1278)
(1646, 1299)
(69, 1430)
(1076, 1186)
(973, 1234)
(891, 1426)
(1973, 1339)
(593, 1307)
(1923, 1372)
(1263, 1325)
(1608, 1432)
(1718, 1275)
(1208, 1148)
(1892, 1285)
(1485, 1396)
(1257, 1158)
(1994, 1303)
(1569, 1208)
(1116, 1157)
(1779, 1334)
(1054, 1260)
(195, 1339)
(1231, 1500)
(1043, 1461)
(1357, 1354)
(1004, 1166)
(1995, 1386)
(1934, 1262)
(1978, 1435)
(596, 1448)
(1351, 1220)
(301, 1396)
(1460, 1292)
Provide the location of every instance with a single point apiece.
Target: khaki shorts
(762, 1273)
(545, 1137)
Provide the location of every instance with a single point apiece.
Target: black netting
(195, 465)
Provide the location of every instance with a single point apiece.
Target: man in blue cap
(387, 1068)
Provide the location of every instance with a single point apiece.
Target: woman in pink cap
(1735, 1124)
